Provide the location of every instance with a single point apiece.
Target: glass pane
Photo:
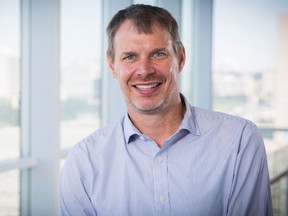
(9, 193)
(186, 76)
(9, 79)
(9, 103)
(250, 68)
(81, 55)
(150, 2)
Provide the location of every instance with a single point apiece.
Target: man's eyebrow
(126, 53)
(159, 49)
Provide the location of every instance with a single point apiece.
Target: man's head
(143, 17)
(146, 55)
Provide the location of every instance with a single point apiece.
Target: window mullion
(40, 105)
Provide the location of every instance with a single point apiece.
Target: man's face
(147, 68)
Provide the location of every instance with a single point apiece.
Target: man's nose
(145, 67)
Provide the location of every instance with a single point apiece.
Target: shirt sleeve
(250, 192)
(74, 185)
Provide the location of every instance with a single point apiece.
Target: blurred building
(9, 75)
(281, 96)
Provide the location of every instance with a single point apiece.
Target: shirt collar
(130, 131)
(189, 123)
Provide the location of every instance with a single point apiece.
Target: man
(164, 157)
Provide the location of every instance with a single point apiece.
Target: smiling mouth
(146, 87)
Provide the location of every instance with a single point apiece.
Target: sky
(80, 31)
(245, 33)
(10, 24)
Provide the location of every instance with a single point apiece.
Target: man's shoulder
(223, 126)
(204, 116)
(94, 147)
(99, 138)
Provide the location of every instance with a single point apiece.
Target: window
(9, 79)
(9, 193)
(9, 103)
(250, 71)
(81, 56)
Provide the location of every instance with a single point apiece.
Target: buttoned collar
(189, 123)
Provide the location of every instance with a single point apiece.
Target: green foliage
(72, 107)
(8, 114)
(226, 104)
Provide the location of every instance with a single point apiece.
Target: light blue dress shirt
(215, 164)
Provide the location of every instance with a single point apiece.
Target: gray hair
(143, 17)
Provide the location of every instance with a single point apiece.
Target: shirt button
(160, 159)
(162, 198)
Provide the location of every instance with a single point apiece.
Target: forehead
(128, 32)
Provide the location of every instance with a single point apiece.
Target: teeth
(144, 87)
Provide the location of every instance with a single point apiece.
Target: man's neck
(159, 125)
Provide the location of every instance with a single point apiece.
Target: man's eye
(159, 54)
(129, 58)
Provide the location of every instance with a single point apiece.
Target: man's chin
(148, 108)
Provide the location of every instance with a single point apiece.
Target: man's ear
(111, 66)
(181, 59)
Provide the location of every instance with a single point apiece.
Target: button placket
(161, 184)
